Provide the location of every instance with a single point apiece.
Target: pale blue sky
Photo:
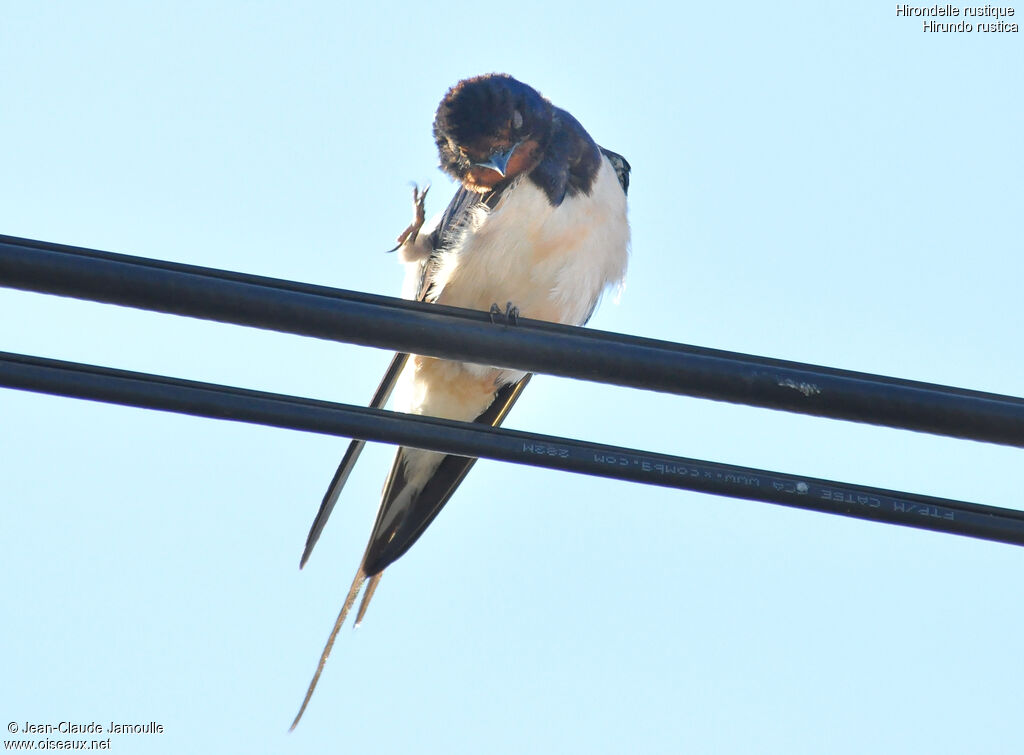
(820, 182)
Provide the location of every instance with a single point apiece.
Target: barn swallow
(538, 223)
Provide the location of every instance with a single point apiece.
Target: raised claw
(418, 216)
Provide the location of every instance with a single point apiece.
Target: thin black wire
(532, 346)
(468, 439)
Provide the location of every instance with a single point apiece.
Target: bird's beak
(498, 161)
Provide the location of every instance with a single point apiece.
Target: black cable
(534, 346)
(221, 402)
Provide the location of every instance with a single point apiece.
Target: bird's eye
(517, 120)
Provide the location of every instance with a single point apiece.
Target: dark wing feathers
(621, 166)
(390, 543)
(454, 217)
(348, 461)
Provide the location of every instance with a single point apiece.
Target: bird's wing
(348, 461)
(402, 517)
(453, 220)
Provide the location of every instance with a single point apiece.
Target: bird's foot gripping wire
(510, 315)
(408, 236)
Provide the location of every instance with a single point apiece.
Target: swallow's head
(490, 129)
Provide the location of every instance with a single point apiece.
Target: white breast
(551, 262)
